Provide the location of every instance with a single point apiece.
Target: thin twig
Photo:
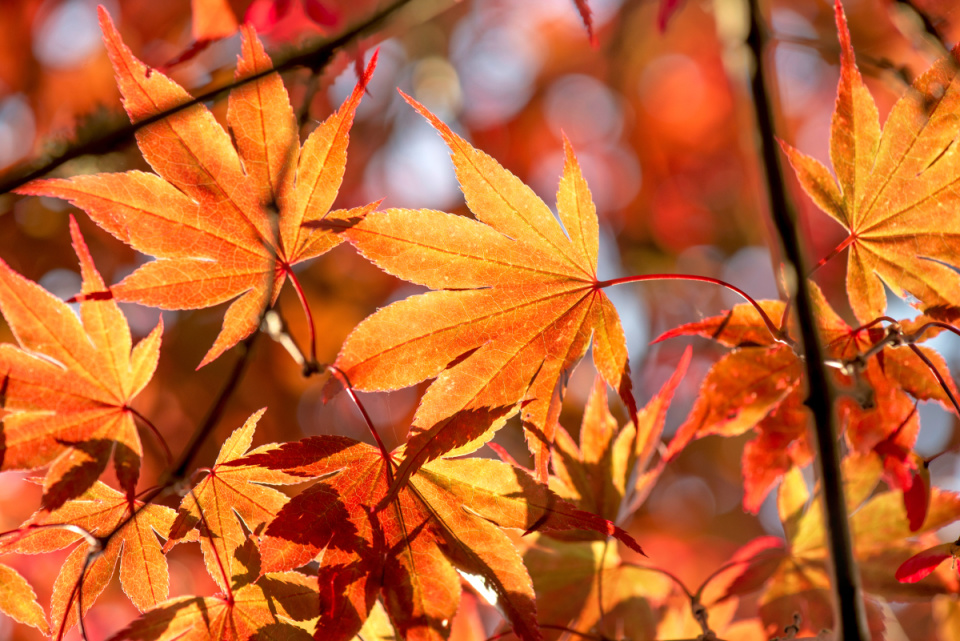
(213, 415)
(851, 616)
(311, 328)
(275, 328)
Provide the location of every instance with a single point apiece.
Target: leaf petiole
(778, 335)
(342, 377)
(156, 432)
(306, 312)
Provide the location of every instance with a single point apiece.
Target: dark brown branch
(851, 621)
(213, 415)
(313, 58)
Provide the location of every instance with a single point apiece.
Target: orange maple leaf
(19, 601)
(518, 303)
(759, 385)
(264, 610)
(897, 191)
(586, 588)
(68, 387)
(613, 470)
(449, 511)
(131, 526)
(793, 574)
(223, 221)
(227, 496)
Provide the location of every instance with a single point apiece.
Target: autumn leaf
(449, 512)
(132, 528)
(223, 221)
(923, 563)
(612, 471)
(227, 496)
(895, 191)
(268, 610)
(946, 615)
(517, 303)
(586, 587)
(19, 601)
(795, 575)
(759, 386)
(68, 387)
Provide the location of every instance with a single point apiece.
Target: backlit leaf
(69, 385)
(450, 511)
(101, 511)
(227, 495)
(222, 221)
(264, 611)
(517, 304)
(19, 601)
(897, 191)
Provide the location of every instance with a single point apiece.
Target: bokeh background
(661, 121)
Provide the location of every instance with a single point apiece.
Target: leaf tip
(923, 564)
(843, 33)
(586, 15)
(107, 26)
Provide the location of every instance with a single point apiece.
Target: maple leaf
(226, 496)
(610, 474)
(132, 528)
(517, 304)
(19, 601)
(759, 385)
(895, 190)
(586, 587)
(923, 563)
(209, 214)
(795, 573)
(68, 387)
(450, 511)
(267, 611)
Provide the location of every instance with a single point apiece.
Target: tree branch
(849, 610)
(315, 58)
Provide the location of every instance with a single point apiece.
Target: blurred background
(661, 121)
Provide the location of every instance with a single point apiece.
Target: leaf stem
(341, 376)
(669, 575)
(156, 433)
(91, 540)
(213, 548)
(937, 375)
(306, 311)
(849, 240)
(276, 329)
(910, 338)
(850, 613)
(778, 334)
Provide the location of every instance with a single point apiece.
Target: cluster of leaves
(515, 303)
